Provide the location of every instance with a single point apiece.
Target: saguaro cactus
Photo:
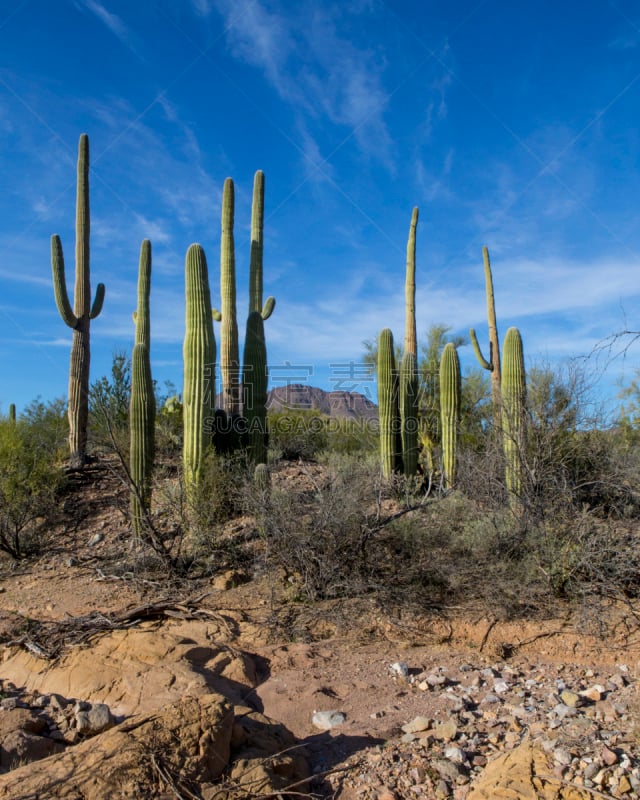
(450, 389)
(409, 364)
(254, 382)
(229, 351)
(12, 413)
(257, 251)
(78, 318)
(199, 353)
(410, 335)
(388, 404)
(514, 391)
(409, 413)
(493, 364)
(142, 406)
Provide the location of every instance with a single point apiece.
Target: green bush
(297, 434)
(30, 476)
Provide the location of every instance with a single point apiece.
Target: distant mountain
(301, 396)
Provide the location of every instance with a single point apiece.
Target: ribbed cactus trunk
(229, 350)
(409, 364)
(388, 411)
(450, 391)
(142, 406)
(257, 251)
(12, 413)
(514, 392)
(409, 413)
(410, 333)
(80, 316)
(254, 382)
(199, 354)
(493, 364)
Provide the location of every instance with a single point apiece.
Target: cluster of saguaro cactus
(199, 355)
(514, 390)
(249, 395)
(142, 407)
(450, 390)
(79, 317)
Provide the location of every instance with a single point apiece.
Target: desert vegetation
(511, 494)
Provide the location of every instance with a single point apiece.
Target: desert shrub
(319, 537)
(109, 407)
(214, 501)
(169, 427)
(297, 434)
(30, 476)
(352, 435)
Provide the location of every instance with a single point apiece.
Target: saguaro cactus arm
(59, 283)
(98, 300)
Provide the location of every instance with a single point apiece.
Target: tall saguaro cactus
(229, 351)
(79, 317)
(514, 391)
(450, 390)
(388, 403)
(409, 363)
(410, 335)
(257, 251)
(199, 354)
(142, 406)
(254, 382)
(493, 364)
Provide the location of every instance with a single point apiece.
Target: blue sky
(511, 125)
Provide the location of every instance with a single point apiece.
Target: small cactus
(79, 317)
(450, 390)
(199, 355)
(262, 478)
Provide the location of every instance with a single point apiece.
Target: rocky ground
(115, 681)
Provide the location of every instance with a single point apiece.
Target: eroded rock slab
(189, 741)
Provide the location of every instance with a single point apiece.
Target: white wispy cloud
(112, 21)
(313, 66)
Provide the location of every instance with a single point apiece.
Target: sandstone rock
(191, 739)
(524, 773)
(417, 724)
